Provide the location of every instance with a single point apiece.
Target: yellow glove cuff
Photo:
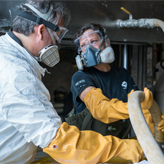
(104, 109)
(85, 147)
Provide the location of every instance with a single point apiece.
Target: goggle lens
(88, 38)
(84, 45)
(61, 35)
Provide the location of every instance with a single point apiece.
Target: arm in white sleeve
(26, 104)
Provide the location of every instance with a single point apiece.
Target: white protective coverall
(27, 118)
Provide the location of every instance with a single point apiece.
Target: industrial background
(138, 48)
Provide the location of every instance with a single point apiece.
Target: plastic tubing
(155, 23)
(159, 23)
(150, 147)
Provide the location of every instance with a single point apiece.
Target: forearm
(107, 111)
(104, 109)
(84, 147)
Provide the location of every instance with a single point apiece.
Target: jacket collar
(10, 33)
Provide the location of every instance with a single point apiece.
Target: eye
(93, 41)
(83, 45)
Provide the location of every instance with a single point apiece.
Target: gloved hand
(161, 124)
(84, 147)
(145, 105)
(135, 154)
(147, 102)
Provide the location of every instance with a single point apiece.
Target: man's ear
(40, 31)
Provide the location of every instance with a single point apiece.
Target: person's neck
(27, 42)
(104, 67)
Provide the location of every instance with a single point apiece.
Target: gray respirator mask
(49, 55)
(93, 56)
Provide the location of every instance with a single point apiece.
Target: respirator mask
(49, 55)
(92, 56)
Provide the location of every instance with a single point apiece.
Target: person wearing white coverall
(27, 117)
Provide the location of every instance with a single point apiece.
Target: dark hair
(92, 26)
(26, 26)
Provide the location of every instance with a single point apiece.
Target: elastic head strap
(44, 16)
(99, 50)
(42, 19)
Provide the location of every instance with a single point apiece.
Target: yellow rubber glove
(108, 111)
(149, 120)
(85, 147)
(130, 92)
(147, 102)
(161, 124)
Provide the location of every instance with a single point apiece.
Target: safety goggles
(42, 19)
(60, 35)
(92, 38)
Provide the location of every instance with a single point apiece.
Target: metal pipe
(141, 23)
(143, 133)
(125, 59)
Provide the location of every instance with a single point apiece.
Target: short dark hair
(92, 26)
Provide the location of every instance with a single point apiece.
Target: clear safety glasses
(60, 35)
(91, 38)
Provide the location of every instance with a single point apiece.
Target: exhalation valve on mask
(49, 55)
(79, 62)
(105, 56)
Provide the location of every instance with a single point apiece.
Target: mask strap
(41, 19)
(44, 16)
(101, 45)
